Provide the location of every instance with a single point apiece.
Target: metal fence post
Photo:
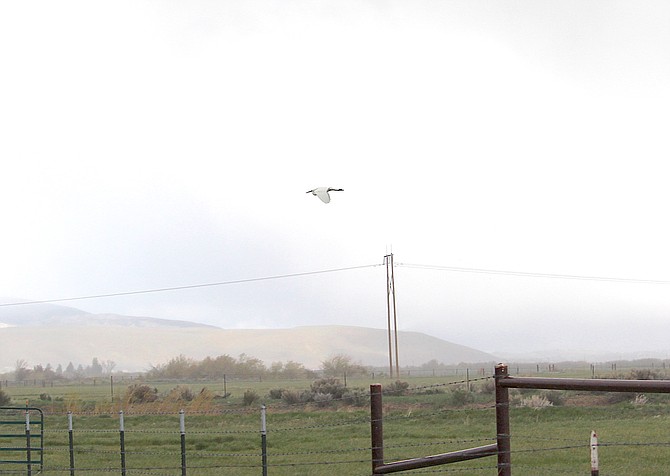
(595, 466)
(70, 442)
(122, 441)
(502, 423)
(29, 466)
(182, 432)
(376, 426)
(264, 442)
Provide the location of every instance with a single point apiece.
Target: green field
(434, 415)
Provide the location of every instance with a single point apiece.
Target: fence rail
(502, 449)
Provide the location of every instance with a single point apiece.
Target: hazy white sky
(150, 144)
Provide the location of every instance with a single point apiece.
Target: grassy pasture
(223, 436)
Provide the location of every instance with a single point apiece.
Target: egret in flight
(322, 193)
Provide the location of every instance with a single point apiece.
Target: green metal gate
(21, 439)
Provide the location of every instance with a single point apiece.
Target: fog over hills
(37, 315)
(46, 333)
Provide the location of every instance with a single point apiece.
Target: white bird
(322, 193)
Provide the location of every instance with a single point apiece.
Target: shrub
(536, 402)
(203, 400)
(328, 386)
(644, 374)
(140, 393)
(249, 398)
(459, 397)
(357, 397)
(617, 397)
(430, 390)
(396, 388)
(555, 397)
(276, 393)
(294, 397)
(322, 399)
(640, 400)
(487, 388)
(4, 399)
(290, 397)
(180, 393)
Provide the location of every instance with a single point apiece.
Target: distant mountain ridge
(43, 314)
(50, 334)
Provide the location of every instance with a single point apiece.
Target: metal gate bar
(9, 441)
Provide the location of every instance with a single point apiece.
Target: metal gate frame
(28, 449)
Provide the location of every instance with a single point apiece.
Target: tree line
(97, 368)
(182, 367)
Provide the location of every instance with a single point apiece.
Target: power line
(530, 274)
(349, 268)
(190, 286)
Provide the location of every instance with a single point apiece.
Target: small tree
(340, 365)
(296, 370)
(249, 366)
(70, 371)
(21, 371)
(95, 369)
(49, 372)
(108, 367)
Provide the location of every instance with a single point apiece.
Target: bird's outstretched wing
(322, 193)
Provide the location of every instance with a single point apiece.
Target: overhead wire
(190, 286)
(456, 269)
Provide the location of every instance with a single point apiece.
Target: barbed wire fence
(214, 441)
(229, 441)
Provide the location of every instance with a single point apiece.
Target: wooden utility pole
(391, 306)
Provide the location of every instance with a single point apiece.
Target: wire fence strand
(419, 419)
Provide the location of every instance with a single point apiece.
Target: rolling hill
(59, 335)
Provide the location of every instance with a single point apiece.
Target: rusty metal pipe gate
(502, 448)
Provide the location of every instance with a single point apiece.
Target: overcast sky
(153, 144)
